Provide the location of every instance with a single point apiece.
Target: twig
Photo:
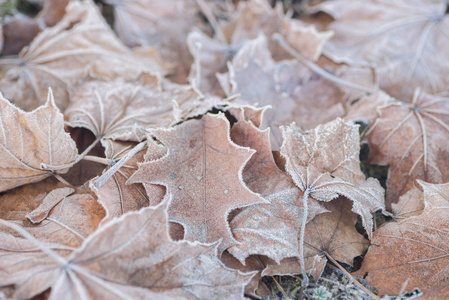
(105, 177)
(280, 287)
(212, 20)
(62, 180)
(317, 69)
(352, 278)
(71, 164)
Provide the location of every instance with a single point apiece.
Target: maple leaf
(324, 164)
(164, 24)
(411, 139)
(28, 140)
(287, 85)
(202, 169)
(329, 235)
(131, 256)
(52, 212)
(125, 110)
(63, 55)
(413, 250)
(400, 39)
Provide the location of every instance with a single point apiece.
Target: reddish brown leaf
(413, 250)
(30, 140)
(412, 140)
(202, 169)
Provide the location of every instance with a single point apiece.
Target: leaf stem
(305, 277)
(106, 175)
(317, 69)
(352, 278)
(62, 180)
(71, 164)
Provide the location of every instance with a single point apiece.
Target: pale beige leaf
(50, 201)
(325, 163)
(30, 139)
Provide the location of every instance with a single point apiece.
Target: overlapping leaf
(28, 140)
(412, 140)
(405, 41)
(132, 256)
(202, 169)
(414, 250)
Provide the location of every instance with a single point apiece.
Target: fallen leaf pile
(185, 149)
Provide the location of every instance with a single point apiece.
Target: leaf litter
(209, 150)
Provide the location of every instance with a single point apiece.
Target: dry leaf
(295, 93)
(412, 140)
(160, 23)
(115, 195)
(62, 56)
(405, 42)
(413, 250)
(69, 221)
(202, 169)
(331, 233)
(28, 140)
(324, 163)
(132, 256)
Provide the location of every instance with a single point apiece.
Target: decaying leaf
(202, 169)
(291, 88)
(125, 110)
(331, 233)
(115, 195)
(324, 162)
(81, 44)
(413, 250)
(413, 140)
(405, 41)
(160, 23)
(68, 222)
(30, 139)
(131, 256)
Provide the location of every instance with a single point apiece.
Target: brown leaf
(160, 23)
(330, 233)
(115, 195)
(69, 221)
(132, 256)
(366, 109)
(255, 16)
(202, 169)
(50, 201)
(30, 140)
(295, 93)
(80, 44)
(125, 110)
(412, 140)
(413, 250)
(400, 39)
(325, 163)
(18, 32)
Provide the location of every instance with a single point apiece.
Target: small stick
(352, 278)
(212, 20)
(280, 287)
(317, 69)
(62, 180)
(105, 177)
